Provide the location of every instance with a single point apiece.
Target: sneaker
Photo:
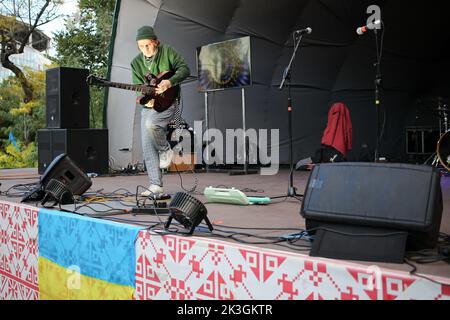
(152, 190)
(165, 159)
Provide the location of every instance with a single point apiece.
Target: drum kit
(442, 154)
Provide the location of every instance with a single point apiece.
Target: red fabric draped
(338, 133)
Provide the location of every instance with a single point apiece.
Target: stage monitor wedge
(67, 98)
(67, 172)
(60, 183)
(396, 198)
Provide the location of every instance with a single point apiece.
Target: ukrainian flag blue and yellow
(85, 258)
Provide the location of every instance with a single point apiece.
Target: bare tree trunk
(26, 87)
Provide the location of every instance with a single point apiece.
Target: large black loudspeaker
(372, 212)
(67, 98)
(87, 147)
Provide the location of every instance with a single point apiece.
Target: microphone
(303, 31)
(370, 26)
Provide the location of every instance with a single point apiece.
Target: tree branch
(49, 19)
(27, 89)
(33, 27)
(8, 45)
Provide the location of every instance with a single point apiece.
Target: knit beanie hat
(146, 33)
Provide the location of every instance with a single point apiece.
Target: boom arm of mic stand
(288, 69)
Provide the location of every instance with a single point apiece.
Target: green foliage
(25, 157)
(7, 102)
(85, 44)
(23, 119)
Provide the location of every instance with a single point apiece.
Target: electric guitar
(162, 101)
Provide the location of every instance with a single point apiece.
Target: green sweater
(166, 59)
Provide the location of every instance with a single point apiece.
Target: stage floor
(283, 214)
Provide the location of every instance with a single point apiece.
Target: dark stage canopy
(334, 64)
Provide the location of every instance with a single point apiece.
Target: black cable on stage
(413, 272)
(155, 204)
(196, 180)
(114, 193)
(262, 229)
(22, 189)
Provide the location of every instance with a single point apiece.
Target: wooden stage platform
(263, 221)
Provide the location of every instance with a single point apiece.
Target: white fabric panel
(121, 114)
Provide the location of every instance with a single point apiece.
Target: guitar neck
(124, 86)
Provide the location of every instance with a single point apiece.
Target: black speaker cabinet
(67, 98)
(61, 181)
(88, 148)
(367, 208)
(67, 174)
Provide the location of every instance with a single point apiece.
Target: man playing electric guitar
(156, 58)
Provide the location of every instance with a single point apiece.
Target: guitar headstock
(94, 80)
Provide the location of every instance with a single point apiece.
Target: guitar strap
(178, 119)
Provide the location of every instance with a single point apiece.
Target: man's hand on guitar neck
(163, 86)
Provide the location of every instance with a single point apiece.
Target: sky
(68, 8)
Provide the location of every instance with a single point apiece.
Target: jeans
(154, 140)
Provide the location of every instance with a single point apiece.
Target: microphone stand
(378, 87)
(292, 191)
